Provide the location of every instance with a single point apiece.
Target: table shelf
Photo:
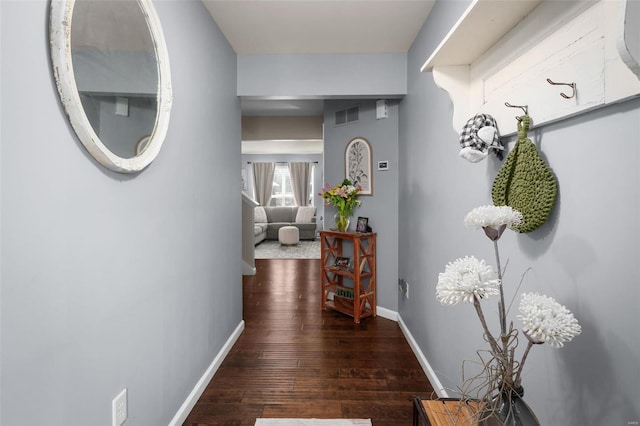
(361, 275)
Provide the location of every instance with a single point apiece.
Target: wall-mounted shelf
(479, 28)
(504, 51)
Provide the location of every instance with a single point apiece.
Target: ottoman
(288, 235)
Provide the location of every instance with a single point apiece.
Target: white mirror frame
(60, 40)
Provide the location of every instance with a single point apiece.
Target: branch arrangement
(470, 280)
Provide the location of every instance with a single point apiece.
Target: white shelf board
(502, 51)
(480, 27)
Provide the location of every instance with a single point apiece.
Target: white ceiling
(260, 27)
(255, 27)
(300, 147)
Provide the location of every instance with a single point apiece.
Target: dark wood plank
(295, 360)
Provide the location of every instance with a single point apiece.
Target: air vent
(345, 116)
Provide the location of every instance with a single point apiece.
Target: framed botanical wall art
(357, 160)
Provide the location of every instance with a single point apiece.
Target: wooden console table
(350, 290)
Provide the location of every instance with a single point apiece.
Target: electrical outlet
(403, 286)
(119, 408)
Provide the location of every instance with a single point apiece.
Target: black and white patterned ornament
(478, 136)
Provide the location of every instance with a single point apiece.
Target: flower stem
(503, 315)
(490, 338)
(521, 366)
(530, 344)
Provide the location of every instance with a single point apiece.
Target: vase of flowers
(344, 197)
(342, 222)
(469, 280)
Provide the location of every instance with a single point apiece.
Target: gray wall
(322, 76)
(585, 256)
(100, 72)
(381, 207)
(120, 133)
(110, 281)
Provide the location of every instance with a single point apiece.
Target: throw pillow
(259, 215)
(305, 213)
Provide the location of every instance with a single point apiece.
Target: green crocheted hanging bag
(525, 182)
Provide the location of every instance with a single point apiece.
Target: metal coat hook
(564, 95)
(524, 108)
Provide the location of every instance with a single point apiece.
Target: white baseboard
(431, 375)
(197, 391)
(247, 269)
(426, 367)
(386, 313)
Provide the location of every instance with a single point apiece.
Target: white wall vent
(348, 115)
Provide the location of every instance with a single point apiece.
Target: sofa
(269, 219)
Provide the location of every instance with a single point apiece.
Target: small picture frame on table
(363, 225)
(342, 262)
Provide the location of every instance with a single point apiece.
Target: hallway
(293, 360)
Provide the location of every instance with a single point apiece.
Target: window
(282, 192)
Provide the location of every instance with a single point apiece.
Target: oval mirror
(112, 71)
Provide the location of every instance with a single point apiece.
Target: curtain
(263, 182)
(300, 182)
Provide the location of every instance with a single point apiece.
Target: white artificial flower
(547, 321)
(493, 219)
(465, 278)
(494, 216)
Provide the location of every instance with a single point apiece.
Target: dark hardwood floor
(294, 360)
